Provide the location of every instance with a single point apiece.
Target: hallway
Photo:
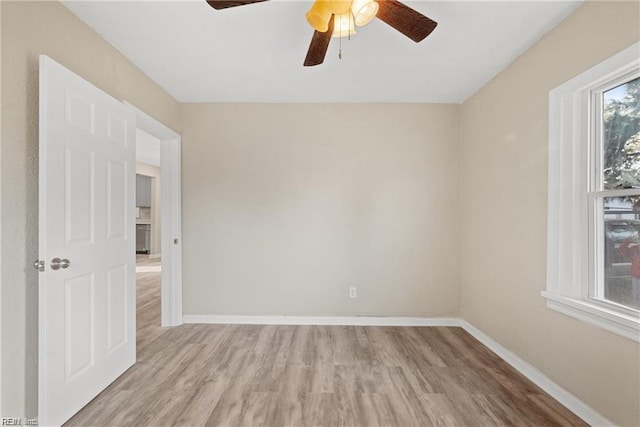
(148, 273)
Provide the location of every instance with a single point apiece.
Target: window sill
(622, 324)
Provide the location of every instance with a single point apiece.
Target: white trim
(322, 320)
(171, 214)
(611, 320)
(571, 402)
(571, 232)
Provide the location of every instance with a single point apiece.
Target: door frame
(171, 215)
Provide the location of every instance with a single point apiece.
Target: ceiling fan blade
(225, 4)
(319, 45)
(409, 22)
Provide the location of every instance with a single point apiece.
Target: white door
(87, 242)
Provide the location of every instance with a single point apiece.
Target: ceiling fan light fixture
(343, 25)
(338, 18)
(319, 16)
(364, 11)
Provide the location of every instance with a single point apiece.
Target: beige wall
(504, 191)
(154, 172)
(30, 29)
(286, 206)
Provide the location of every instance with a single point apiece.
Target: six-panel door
(87, 216)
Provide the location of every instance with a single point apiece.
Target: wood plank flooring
(235, 375)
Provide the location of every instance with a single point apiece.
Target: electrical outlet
(353, 292)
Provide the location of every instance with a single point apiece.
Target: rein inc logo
(9, 421)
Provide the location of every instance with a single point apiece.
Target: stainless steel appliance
(143, 238)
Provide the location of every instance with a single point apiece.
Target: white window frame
(573, 274)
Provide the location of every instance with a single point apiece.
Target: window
(593, 255)
(615, 192)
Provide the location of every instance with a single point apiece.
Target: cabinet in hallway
(143, 191)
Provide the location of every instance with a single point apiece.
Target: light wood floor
(147, 302)
(231, 375)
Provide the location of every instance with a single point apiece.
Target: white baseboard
(571, 402)
(322, 320)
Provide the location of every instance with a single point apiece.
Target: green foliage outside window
(622, 136)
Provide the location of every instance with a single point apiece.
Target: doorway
(86, 238)
(159, 215)
(148, 237)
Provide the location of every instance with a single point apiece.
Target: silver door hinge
(38, 265)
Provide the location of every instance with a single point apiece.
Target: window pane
(621, 145)
(622, 250)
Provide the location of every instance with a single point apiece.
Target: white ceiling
(255, 53)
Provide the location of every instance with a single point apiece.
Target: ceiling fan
(338, 18)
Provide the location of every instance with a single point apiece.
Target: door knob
(38, 265)
(58, 263)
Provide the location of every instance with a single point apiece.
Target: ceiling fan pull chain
(348, 34)
(340, 41)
